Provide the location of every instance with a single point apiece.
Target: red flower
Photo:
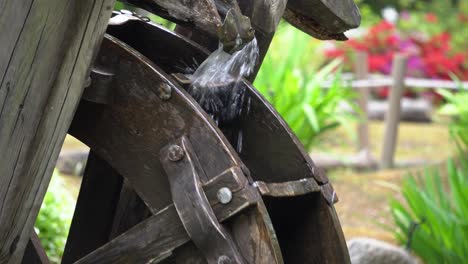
(334, 53)
(431, 18)
(377, 63)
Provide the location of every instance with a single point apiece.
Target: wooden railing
(363, 82)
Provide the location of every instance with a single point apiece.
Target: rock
(72, 162)
(371, 251)
(412, 110)
(363, 160)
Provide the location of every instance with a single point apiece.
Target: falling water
(215, 84)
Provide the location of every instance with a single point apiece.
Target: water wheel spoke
(130, 211)
(35, 253)
(94, 212)
(154, 238)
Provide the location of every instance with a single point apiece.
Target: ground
(363, 207)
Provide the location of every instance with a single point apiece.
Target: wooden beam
(46, 49)
(392, 117)
(155, 238)
(362, 70)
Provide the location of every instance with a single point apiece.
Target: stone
(72, 162)
(371, 251)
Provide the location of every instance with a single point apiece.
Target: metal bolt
(164, 91)
(224, 195)
(224, 260)
(175, 153)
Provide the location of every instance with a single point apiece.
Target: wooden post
(362, 71)
(46, 49)
(392, 117)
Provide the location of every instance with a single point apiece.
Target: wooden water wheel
(164, 183)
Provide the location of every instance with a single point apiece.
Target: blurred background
(385, 113)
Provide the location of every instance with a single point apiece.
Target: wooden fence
(362, 81)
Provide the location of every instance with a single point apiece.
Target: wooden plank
(47, 47)
(95, 208)
(392, 118)
(35, 253)
(154, 238)
(308, 230)
(201, 13)
(323, 19)
(288, 189)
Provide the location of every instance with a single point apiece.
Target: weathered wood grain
(323, 19)
(154, 238)
(288, 189)
(200, 13)
(46, 49)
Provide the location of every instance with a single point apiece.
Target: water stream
(215, 84)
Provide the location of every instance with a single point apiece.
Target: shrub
(434, 223)
(54, 219)
(290, 80)
(430, 56)
(457, 108)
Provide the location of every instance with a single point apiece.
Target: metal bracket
(193, 207)
(100, 85)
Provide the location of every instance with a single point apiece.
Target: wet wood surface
(46, 50)
(282, 158)
(323, 19)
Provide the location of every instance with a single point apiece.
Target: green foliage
(449, 20)
(457, 108)
(54, 219)
(441, 233)
(290, 80)
(412, 5)
(154, 18)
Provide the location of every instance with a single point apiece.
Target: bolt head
(224, 260)
(224, 195)
(164, 91)
(175, 153)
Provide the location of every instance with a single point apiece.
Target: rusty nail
(224, 260)
(175, 153)
(224, 195)
(164, 91)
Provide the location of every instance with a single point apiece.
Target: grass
(370, 191)
(416, 141)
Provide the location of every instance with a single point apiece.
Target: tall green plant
(434, 223)
(291, 80)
